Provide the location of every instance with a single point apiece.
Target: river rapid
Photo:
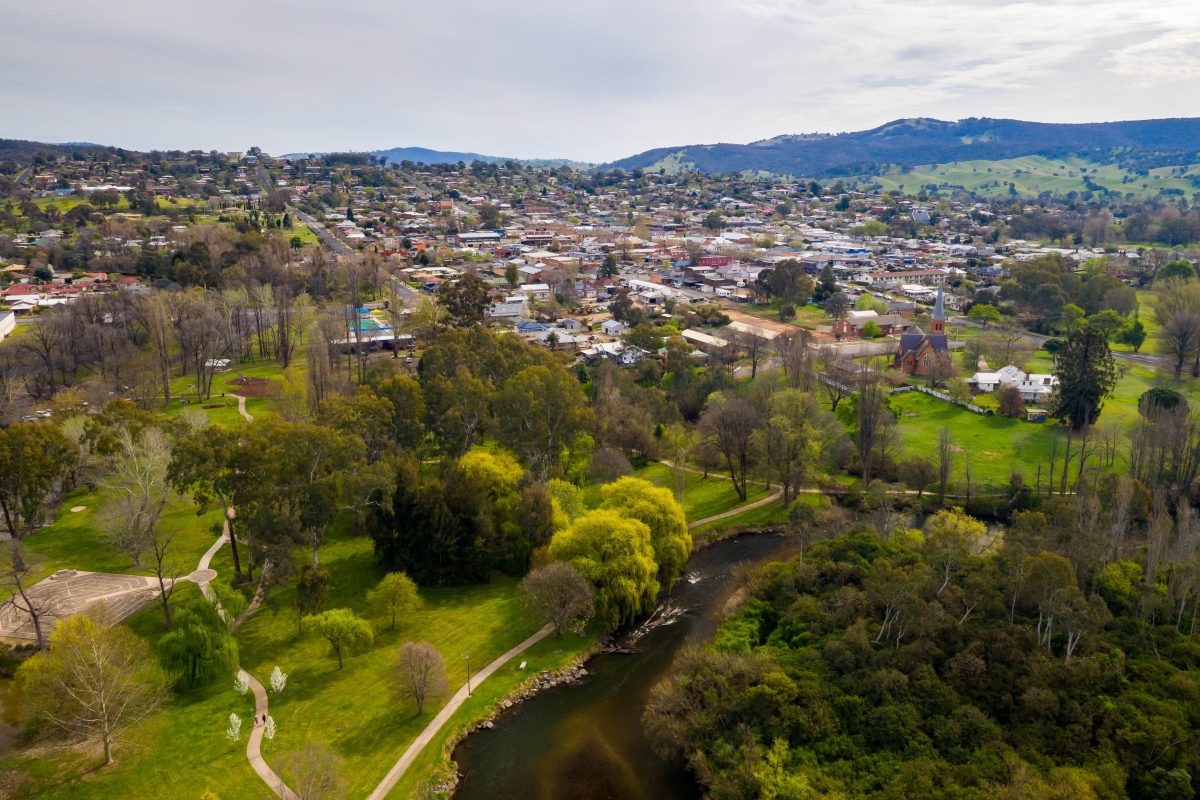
(585, 741)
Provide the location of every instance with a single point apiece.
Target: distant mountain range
(424, 155)
(911, 142)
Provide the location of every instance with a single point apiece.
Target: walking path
(204, 574)
(733, 512)
(410, 755)
(242, 407)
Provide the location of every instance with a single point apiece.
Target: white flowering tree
(269, 728)
(234, 731)
(240, 684)
(278, 680)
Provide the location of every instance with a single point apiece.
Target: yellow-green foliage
(658, 509)
(615, 553)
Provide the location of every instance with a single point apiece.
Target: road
(328, 239)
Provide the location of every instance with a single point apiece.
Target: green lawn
(74, 540)
(702, 497)
(356, 710)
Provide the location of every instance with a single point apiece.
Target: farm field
(1032, 175)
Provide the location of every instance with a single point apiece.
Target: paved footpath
(410, 755)
(242, 407)
(254, 745)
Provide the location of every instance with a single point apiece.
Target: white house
(1034, 388)
(991, 381)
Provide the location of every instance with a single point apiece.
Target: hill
(424, 155)
(913, 142)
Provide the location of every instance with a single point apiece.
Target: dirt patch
(249, 387)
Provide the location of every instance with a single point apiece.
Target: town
(742, 401)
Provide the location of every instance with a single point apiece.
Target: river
(585, 741)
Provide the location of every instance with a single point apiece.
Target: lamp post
(468, 658)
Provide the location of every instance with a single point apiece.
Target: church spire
(939, 311)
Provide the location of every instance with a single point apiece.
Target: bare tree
(560, 594)
(729, 426)
(874, 426)
(795, 354)
(314, 772)
(945, 462)
(140, 488)
(421, 673)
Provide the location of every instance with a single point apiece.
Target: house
(8, 323)
(618, 352)
(612, 327)
(854, 321)
(986, 382)
(921, 353)
(705, 341)
(1034, 388)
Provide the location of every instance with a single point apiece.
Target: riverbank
(434, 774)
(585, 740)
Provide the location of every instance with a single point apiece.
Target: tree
(984, 313)
(1010, 402)
(616, 555)
(871, 330)
(34, 460)
(540, 410)
(874, 428)
(559, 594)
(826, 284)
(312, 590)
(394, 596)
(199, 650)
(728, 426)
(1177, 310)
(1086, 374)
(466, 300)
(512, 275)
(788, 444)
(661, 512)
(210, 463)
(917, 473)
(421, 673)
(140, 487)
(1177, 268)
(608, 267)
(345, 631)
(1133, 334)
(836, 305)
(94, 682)
(314, 772)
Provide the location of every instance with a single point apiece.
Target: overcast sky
(561, 78)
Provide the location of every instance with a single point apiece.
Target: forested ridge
(952, 662)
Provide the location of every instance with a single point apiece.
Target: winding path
(410, 754)
(203, 575)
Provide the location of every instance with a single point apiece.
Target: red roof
(20, 290)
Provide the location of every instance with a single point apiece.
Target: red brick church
(920, 352)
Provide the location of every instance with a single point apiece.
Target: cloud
(586, 80)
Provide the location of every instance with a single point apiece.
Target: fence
(941, 396)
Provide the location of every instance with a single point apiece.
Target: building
(921, 353)
(8, 323)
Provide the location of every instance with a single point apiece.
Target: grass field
(702, 497)
(1032, 175)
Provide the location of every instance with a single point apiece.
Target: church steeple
(939, 313)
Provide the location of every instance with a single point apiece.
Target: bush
(608, 464)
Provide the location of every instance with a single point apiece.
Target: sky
(566, 79)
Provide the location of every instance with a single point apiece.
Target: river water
(585, 741)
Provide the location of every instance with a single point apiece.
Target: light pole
(468, 658)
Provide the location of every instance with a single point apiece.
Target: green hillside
(1032, 175)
